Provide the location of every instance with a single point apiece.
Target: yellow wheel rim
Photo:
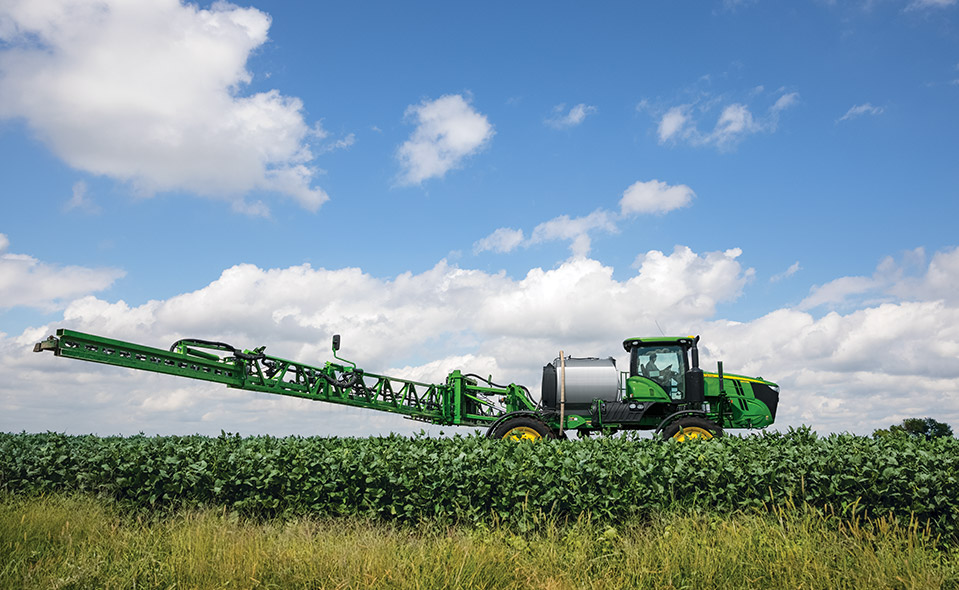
(522, 433)
(692, 432)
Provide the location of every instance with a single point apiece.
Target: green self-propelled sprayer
(664, 390)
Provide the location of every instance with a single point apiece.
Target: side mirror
(336, 346)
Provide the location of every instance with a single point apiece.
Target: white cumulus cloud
(28, 282)
(448, 130)
(858, 371)
(150, 93)
(576, 229)
(504, 239)
(911, 278)
(837, 291)
(734, 123)
(655, 196)
(672, 123)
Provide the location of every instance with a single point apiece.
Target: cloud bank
(856, 370)
(413, 325)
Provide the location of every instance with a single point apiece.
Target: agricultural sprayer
(665, 390)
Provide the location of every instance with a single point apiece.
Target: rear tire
(692, 428)
(523, 428)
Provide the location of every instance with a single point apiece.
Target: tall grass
(81, 542)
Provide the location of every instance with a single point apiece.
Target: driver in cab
(651, 371)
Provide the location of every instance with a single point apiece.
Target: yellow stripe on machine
(735, 378)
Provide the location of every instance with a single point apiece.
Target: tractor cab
(660, 369)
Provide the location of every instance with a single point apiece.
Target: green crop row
(476, 480)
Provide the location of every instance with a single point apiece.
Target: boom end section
(50, 343)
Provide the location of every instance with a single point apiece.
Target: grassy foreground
(81, 542)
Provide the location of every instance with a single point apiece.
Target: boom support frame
(463, 399)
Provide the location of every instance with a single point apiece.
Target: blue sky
(480, 184)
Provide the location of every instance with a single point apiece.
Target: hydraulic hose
(354, 380)
(351, 381)
(486, 380)
(491, 384)
(218, 346)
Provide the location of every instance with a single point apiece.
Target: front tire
(523, 428)
(692, 428)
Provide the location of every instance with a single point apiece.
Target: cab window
(666, 365)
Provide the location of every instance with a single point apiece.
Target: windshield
(666, 365)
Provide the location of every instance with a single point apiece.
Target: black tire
(690, 428)
(523, 428)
